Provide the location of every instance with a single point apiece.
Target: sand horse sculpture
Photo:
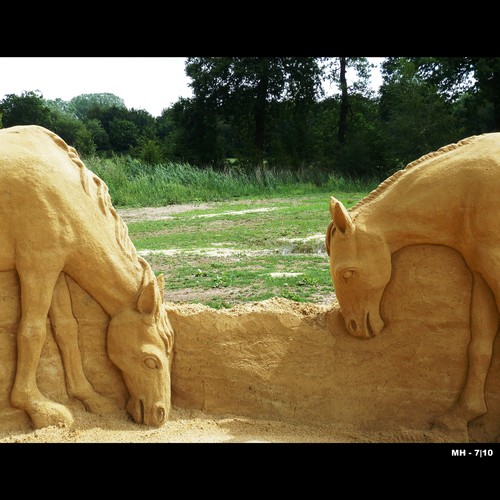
(57, 220)
(450, 197)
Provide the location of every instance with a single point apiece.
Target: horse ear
(160, 279)
(340, 217)
(150, 299)
(328, 237)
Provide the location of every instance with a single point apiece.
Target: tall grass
(133, 184)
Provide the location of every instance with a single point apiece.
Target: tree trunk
(261, 110)
(495, 83)
(344, 104)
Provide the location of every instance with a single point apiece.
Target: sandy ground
(192, 426)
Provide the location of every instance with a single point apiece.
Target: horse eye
(346, 275)
(151, 363)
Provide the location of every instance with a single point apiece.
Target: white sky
(150, 83)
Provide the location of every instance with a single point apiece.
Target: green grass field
(261, 236)
(235, 252)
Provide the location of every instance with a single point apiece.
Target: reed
(134, 184)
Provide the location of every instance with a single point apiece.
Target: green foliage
(131, 183)
(83, 103)
(59, 106)
(239, 91)
(255, 118)
(99, 136)
(27, 109)
(122, 134)
(84, 142)
(193, 135)
(68, 127)
(359, 65)
(474, 79)
(416, 118)
(148, 151)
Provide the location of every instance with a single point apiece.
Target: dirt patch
(158, 213)
(313, 237)
(208, 252)
(284, 275)
(237, 212)
(232, 294)
(189, 295)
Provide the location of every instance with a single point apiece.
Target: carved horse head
(360, 266)
(139, 343)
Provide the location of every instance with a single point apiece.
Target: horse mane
(103, 199)
(394, 177)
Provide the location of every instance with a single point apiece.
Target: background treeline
(249, 112)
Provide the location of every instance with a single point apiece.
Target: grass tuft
(134, 184)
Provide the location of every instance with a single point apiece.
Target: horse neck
(413, 211)
(113, 278)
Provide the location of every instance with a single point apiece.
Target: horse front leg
(65, 330)
(484, 321)
(36, 294)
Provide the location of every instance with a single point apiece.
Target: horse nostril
(160, 415)
(353, 326)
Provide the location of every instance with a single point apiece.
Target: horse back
(475, 164)
(42, 201)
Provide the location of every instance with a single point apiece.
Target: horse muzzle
(152, 415)
(367, 328)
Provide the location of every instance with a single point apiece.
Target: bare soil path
(157, 213)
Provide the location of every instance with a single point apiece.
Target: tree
(27, 109)
(144, 122)
(415, 117)
(240, 89)
(59, 105)
(192, 132)
(67, 127)
(82, 103)
(123, 134)
(344, 104)
(454, 76)
(84, 142)
(99, 136)
(335, 69)
(118, 124)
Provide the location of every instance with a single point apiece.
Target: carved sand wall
(296, 362)
(285, 360)
(93, 323)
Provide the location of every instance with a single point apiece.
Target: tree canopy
(273, 112)
(242, 90)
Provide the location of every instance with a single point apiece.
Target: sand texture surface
(280, 371)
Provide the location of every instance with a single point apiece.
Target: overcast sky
(150, 83)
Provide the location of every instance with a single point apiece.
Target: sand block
(293, 362)
(285, 360)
